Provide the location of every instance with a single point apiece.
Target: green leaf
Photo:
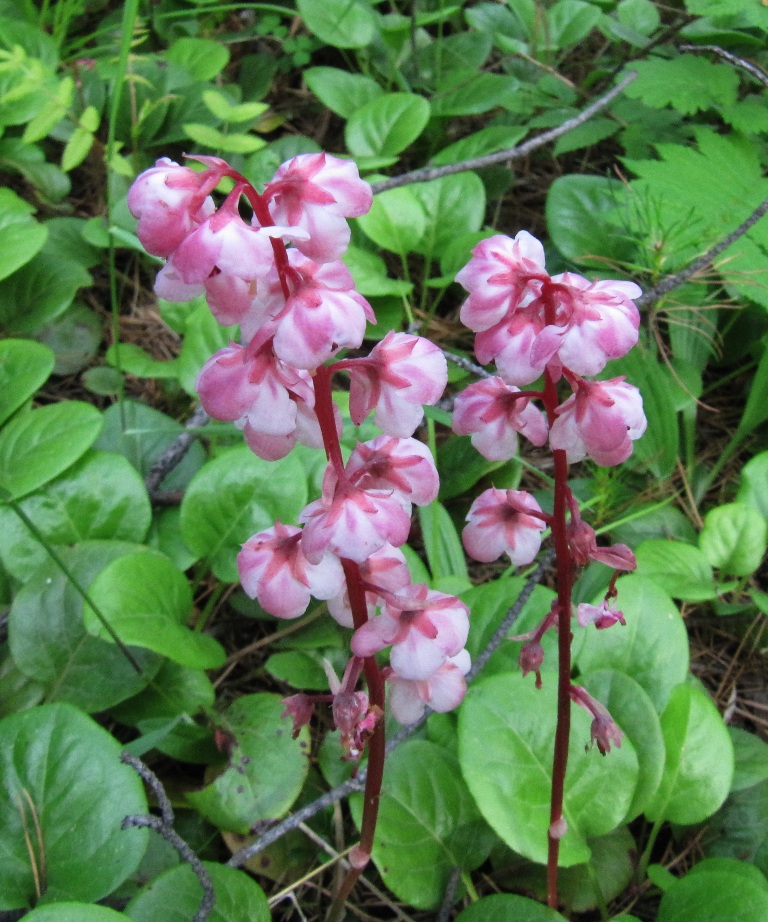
(634, 712)
(442, 544)
(75, 337)
(134, 360)
(176, 690)
(29, 160)
(369, 272)
(147, 600)
(699, 764)
(740, 827)
(40, 291)
(203, 336)
(223, 108)
(50, 644)
(714, 896)
(24, 366)
(756, 410)
(57, 765)
(734, 539)
(237, 143)
(586, 135)
(428, 824)
(100, 496)
(506, 733)
(580, 217)
(753, 489)
(611, 869)
(175, 896)
(471, 93)
(680, 569)
(570, 21)
(385, 126)
(751, 759)
(233, 497)
(396, 221)
(74, 912)
(461, 466)
(639, 15)
(689, 83)
(508, 907)
(142, 434)
(202, 58)
(21, 237)
(341, 91)
(681, 189)
(266, 768)
(304, 669)
(487, 140)
(652, 647)
(340, 23)
(77, 148)
(453, 205)
(37, 446)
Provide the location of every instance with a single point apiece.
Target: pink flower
(602, 615)
(274, 570)
(170, 201)
(601, 419)
(385, 570)
(443, 691)
(404, 466)
(317, 192)
(500, 522)
(489, 412)
(604, 731)
(423, 626)
(226, 243)
(401, 374)
(510, 344)
(583, 544)
(323, 314)
(502, 276)
(353, 522)
(300, 708)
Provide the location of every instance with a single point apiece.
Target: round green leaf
(751, 759)
(24, 366)
(699, 763)
(75, 338)
(100, 496)
(506, 734)
(142, 434)
(340, 23)
(714, 896)
(507, 907)
(753, 491)
(40, 291)
(734, 539)
(266, 767)
(235, 496)
(385, 126)
(147, 599)
(62, 771)
(21, 237)
(74, 912)
(49, 642)
(39, 445)
(635, 714)
(580, 217)
(680, 569)
(428, 824)
(175, 896)
(739, 829)
(453, 205)
(614, 861)
(176, 690)
(652, 647)
(396, 221)
(341, 91)
(202, 58)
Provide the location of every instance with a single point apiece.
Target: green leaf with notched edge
(24, 366)
(506, 734)
(146, 600)
(233, 497)
(652, 647)
(37, 446)
(61, 772)
(699, 762)
(428, 824)
(49, 642)
(687, 83)
(266, 767)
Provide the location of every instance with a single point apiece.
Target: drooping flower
(489, 412)
(274, 570)
(317, 192)
(443, 691)
(402, 374)
(385, 570)
(405, 466)
(601, 419)
(500, 522)
(602, 616)
(604, 730)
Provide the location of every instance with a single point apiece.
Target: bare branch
(512, 153)
(750, 68)
(163, 826)
(175, 451)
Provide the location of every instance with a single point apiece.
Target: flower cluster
(562, 327)
(279, 276)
